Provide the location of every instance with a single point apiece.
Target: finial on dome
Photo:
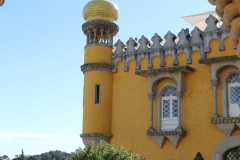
(101, 10)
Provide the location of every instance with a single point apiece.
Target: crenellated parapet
(185, 42)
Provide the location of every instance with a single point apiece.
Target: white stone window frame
(225, 91)
(160, 106)
(216, 68)
(179, 78)
(224, 123)
(154, 77)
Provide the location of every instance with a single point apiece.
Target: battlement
(185, 42)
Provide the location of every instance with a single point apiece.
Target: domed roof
(100, 9)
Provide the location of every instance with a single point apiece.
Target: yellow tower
(99, 29)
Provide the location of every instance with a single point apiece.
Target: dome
(100, 9)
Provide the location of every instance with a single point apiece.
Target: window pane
(97, 94)
(175, 108)
(233, 78)
(169, 91)
(235, 94)
(166, 108)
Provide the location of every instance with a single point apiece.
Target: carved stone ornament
(215, 82)
(226, 124)
(218, 59)
(96, 67)
(100, 24)
(217, 120)
(95, 137)
(173, 136)
(169, 69)
(2, 2)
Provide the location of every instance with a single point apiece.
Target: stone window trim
(154, 76)
(215, 81)
(225, 145)
(178, 77)
(224, 123)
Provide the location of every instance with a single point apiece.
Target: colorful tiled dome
(100, 9)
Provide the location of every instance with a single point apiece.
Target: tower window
(97, 93)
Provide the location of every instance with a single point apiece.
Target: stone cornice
(166, 133)
(169, 69)
(174, 136)
(218, 59)
(96, 67)
(100, 24)
(96, 135)
(218, 120)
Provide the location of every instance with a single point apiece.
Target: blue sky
(41, 50)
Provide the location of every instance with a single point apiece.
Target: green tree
(104, 151)
(20, 157)
(4, 157)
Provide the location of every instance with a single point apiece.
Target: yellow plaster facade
(128, 108)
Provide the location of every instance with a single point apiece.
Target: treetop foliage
(104, 151)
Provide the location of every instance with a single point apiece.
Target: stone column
(215, 83)
(179, 95)
(151, 98)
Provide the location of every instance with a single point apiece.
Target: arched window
(233, 95)
(169, 108)
(232, 154)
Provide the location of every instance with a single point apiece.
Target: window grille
(233, 154)
(169, 108)
(233, 95)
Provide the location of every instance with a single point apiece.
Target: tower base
(95, 137)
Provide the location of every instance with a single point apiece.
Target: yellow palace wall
(130, 108)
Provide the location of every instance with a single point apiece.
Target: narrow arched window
(233, 95)
(169, 108)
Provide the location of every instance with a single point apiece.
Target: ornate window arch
(224, 148)
(232, 154)
(156, 75)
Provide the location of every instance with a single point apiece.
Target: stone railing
(229, 10)
(186, 42)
